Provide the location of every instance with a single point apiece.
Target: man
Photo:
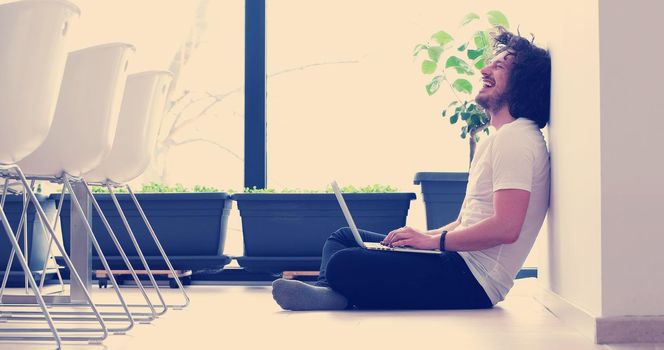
(482, 251)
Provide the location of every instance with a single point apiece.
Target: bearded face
(493, 94)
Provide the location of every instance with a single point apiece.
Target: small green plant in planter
(456, 64)
(285, 230)
(375, 188)
(154, 187)
(191, 224)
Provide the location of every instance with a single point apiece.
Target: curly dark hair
(529, 82)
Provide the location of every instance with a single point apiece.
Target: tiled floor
(223, 317)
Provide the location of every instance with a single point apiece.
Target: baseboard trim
(569, 313)
(630, 329)
(604, 330)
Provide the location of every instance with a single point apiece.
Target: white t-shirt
(514, 157)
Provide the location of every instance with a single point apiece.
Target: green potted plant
(286, 231)
(455, 64)
(191, 225)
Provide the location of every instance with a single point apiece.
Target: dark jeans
(373, 279)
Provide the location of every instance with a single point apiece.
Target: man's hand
(412, 237)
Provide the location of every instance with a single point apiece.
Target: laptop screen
(349, 218)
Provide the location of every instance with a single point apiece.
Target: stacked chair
(32, 60)
(67, 118)
(82, 131)
(135, 140)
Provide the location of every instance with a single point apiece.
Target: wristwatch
(442, 240)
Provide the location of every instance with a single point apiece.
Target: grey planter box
(287, 231)
(443, 195)
(190, 226)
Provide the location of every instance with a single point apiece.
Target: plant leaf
(454, 118)
(463, 85)
(486, 131)
(428, 67)
(465, 70)
(481, 39)
(465, 115)
(463, 132)
(473, 54)
(459, 65)
(480, 64)
(434, 52)
(442, 38)
(453, 103)
(433, 86)
(418, 48)
(469, 18)
(497, 18)
(444, 112)
(453, 61)
(463, 47)
(475, 120)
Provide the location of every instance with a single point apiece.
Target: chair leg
(22, 230)
(153, 314)
(50, 246)
(161, 249)
(93, 239)
(148, 317)
(33, 285)
(18, 314)
(138, 249)
(39, 299)
(24, 218)
(19, 232)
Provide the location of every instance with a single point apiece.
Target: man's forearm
(449, 227)
(483, 235)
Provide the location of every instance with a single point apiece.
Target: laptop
(356, 233)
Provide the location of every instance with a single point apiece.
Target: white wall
(571, 261)
(604, 247)
(632, 108)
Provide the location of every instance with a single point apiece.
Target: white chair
(140, 115)
(81, 136)
(32, 59)
(87, 112)
(33, 51)
(136, 135)
(135, 140)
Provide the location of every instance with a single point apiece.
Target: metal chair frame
(6, 171)
(127, 315)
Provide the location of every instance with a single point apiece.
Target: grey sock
(299, 296)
